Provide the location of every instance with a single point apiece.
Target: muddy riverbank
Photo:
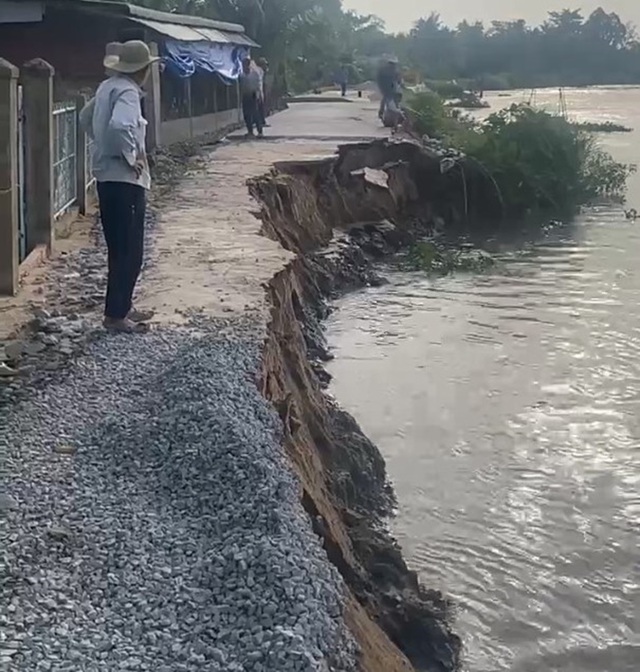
(340, 215)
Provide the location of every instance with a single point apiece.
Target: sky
(400, 14)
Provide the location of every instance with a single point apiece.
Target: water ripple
(508, 408)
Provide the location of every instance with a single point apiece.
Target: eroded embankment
(339, 218)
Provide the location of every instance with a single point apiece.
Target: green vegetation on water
(601, 127)
(434, 258)
(536, 160)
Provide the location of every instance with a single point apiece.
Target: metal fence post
(37, 102)
(187, 84)
(153, 102)
(81, 158)
(9, 260)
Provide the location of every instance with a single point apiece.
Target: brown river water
(507, 406)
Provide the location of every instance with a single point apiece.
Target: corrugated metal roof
(223, 37)
(175, 26)
(214, 35)
(130, 10)
(241, 39)
(172, 30)
(188, 34)
(182, 19)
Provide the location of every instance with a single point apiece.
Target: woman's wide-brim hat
(131, 56)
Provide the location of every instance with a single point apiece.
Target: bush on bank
(538, 160)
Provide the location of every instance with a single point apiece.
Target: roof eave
(126, 9)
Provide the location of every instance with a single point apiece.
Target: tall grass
(539, 161)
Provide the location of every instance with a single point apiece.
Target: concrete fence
(9, 186)
(197, 105)
(44, 165)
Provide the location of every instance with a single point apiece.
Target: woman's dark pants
(251, 113)
(262, 112)
(122, 210)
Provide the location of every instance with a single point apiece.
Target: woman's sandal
(140, 315)
(126, 326)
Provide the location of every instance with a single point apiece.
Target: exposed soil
(339, 219)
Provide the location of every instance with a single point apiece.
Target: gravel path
(150, 520)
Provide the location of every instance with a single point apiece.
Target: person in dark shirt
(342, 79)
(251, 89)
(388, 83)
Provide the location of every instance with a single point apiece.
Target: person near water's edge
(388, 82)
(114, 122)
(251, 93)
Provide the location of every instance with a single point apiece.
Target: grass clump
(536, 160)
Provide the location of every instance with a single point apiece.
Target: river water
(507, 406)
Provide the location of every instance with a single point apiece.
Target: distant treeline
(567, 49)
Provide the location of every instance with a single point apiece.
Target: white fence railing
(64, 157)
(88, 148)
(22, 213)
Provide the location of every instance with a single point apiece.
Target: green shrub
(430, 116)
(428, 113)
(542, 161)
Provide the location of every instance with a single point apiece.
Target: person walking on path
(114, 122)
(342, 79)
(388, 83)
(250, 87)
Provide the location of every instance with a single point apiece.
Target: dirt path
(208, 253)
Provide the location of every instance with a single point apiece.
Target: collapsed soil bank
(338, 218)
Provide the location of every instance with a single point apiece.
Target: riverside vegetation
(536, 161)
(538, 165)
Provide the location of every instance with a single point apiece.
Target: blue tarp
(185, 58)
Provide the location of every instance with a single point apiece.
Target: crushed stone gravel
(149, 519)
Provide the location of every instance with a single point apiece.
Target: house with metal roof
(201, 56)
